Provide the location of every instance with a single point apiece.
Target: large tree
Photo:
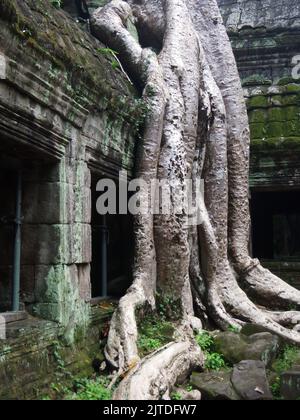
(196, 125)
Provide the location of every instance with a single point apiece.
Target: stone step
(14, 316)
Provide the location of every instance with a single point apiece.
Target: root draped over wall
(197, 126)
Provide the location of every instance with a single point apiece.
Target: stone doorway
(276, 225)
(8, 191)
(276, 232)
(112, 252)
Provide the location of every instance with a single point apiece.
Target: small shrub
(214, 361)
(289, 356)
(275, 388)
(154, 332)
(147, 345)
(168, 308)
(233, 329)
(205, 341)
(176, 396)
(91, 390)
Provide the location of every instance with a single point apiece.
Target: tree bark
(197, 125)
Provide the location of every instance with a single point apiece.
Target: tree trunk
(197, 125)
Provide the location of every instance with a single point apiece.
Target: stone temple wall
(65, 115)
(265, 36)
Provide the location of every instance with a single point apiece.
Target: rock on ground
(262, 346)
(215, 385)
(250, 381)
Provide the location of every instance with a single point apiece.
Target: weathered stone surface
(238, 347)
(290, 384)
(193, 395)
(250, 381)
(214, 385)
(31, 357)
(253, 13)
(250, 329)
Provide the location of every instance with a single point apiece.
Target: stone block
(50, 311)
(214, 385)
(83, 205)
(47, 203)
(84, 281)
(290, 384)
(81, 241)
(257, 116)
(262, 346)
(250, 381)
(27, 284)
(46, 244)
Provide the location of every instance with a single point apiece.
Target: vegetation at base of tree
(289, 355)
(176, 396)
(287, 358)
(91, 389)
(234, 329)
(87, 389)
(154, 332)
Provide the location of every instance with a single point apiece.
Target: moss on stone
(258, 130)
(292, 128)
(276, 114)
(292, 113)
(286, 81)
(41, 33)
(275, 129)
(273, 144)
(256, 80)
(258, 101)
(257, 116)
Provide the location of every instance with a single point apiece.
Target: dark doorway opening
(276, 225)
(111, 267)
(8, 186)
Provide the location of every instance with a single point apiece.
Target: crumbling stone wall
(65, 113)
(266, 36)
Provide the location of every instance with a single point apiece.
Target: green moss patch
(154, 333)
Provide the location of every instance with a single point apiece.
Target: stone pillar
(56, 245)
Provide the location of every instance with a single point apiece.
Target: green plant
(205, 341)
(189, 388)
(289, 356)
(148, 345)
(90, 389)
(57, 3)
(275, 388)
(176, 396)
(154, 333)
(234, 329)
(115, 64)
(214, 361)
(59, 358)
(107, 51)
(110, 53)
(168, 308)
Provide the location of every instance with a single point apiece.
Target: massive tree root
(156, 374)
(197, 126)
